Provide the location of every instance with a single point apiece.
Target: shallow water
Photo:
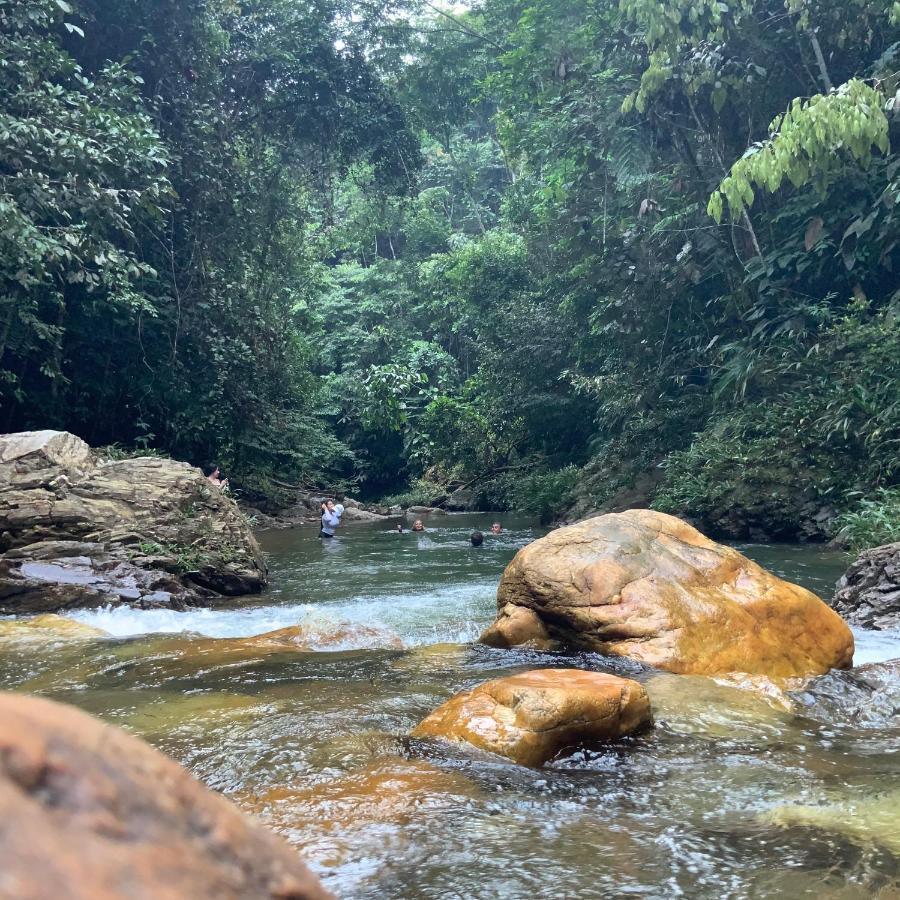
(731, 795)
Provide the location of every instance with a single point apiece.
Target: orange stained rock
(532, 717)
(49, 627)
(93, 813)
(389, 790)
(294, 638)
(648, 586)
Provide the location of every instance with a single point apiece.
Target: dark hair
(212, 468)
(477, 538)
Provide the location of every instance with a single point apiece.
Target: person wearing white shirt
(331, 519)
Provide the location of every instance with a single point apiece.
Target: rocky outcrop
(868, 594)
(648, 586)
(92, 813)
(534, 716)
(77, 529)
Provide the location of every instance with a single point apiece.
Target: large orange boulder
(648, 586)
(88, 812)
(534, 716)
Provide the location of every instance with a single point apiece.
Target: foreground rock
(78, 530)
(99, 814)
(533, 717)
(648, 586)
(868, 594)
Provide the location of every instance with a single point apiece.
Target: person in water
(399, 528)
(331, 519)
(418, 525)
(215, 477)
(496, 528)
(477, 538)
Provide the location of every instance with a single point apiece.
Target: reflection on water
(733, 794)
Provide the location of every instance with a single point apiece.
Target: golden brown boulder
(92, 813)
(649, 586)
(533, 716)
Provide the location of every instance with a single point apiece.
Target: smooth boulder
(648, 586)
(533, 717)
(868, 593)
(92, 813)
(78, 529)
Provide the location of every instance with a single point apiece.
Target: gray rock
(426, 511)
(867, 696)
(77, 529)
(54, 550)
(868, 593)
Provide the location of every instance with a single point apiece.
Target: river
(730, 795)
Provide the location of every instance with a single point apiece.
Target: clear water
(731, 795)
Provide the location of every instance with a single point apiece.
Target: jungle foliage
(530, 254)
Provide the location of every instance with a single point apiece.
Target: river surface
(732, 794)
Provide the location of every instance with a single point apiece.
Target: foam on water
(875, 646)
(451, 614)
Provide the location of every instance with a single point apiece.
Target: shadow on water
(732, 794)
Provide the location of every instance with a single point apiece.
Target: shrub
(874, 521)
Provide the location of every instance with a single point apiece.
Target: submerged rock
(390, 790)
(864, 820)
(715, 710)
(48, 628)
(648, 586)
(186, 653)
(534, 716)
(77, 530)
(98, 814)
(868, 594)
(867, 696)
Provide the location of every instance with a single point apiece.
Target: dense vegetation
(533, 254)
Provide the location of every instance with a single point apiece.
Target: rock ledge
(77, 530)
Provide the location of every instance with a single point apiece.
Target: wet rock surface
(650, 587)
(91, 813)
(867, 696)
(534, 716)
(79, 530)
(869, 592)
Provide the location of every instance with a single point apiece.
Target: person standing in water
(331, 520)
(496, 528)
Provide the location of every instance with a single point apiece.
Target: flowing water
(732, 794)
